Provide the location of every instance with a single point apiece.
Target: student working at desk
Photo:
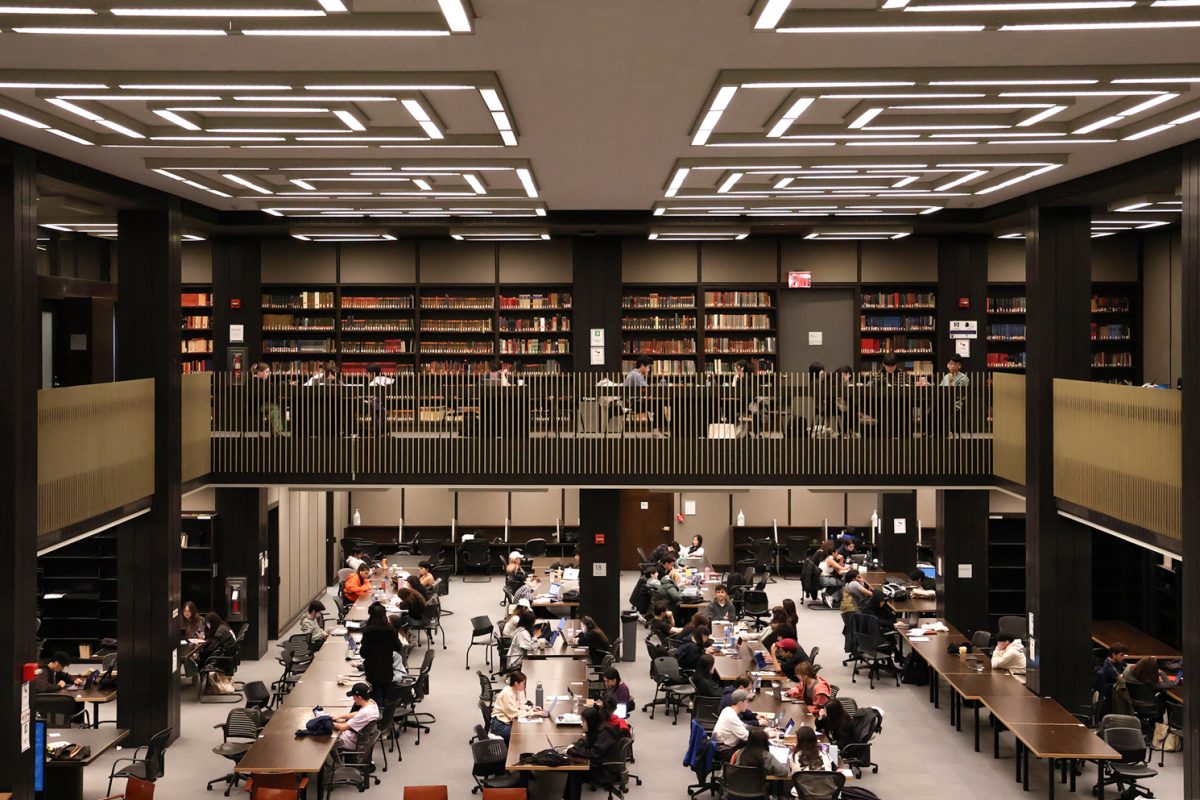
(52, 674)
(721, 608)
(349, 724)
(191, 623)
(357, 585)
(592, 637)
(511, 704)
(603, 732)
(695, 549)
(730, 731)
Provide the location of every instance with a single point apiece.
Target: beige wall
(379, 262)
(301, 551)
(457, 262)
(537, 262)
(1006, 261)
(1004, 503)
(644, 261)
(750, 261)
(1162, 307)
(200, 500)
(1115, 258)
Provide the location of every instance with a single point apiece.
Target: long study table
(1106, 632)
(555, 675)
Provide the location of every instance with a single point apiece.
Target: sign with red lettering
(599, 538)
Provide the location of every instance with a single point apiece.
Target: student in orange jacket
(358, 585)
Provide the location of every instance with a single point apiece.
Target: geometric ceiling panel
(297, 18)
(364, 187)
(262, 110)
(1001, 109)
(847, 185)
(969, 16)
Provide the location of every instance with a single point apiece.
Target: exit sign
(799, 280)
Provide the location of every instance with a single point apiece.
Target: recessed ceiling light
(885, 29)
(352, 122)
(1102, 26)
(1005, 184)
(178, 119)
(1040, 116)
(102, 31)
(206, 87)
(119, 128)
(1081, 5)
(790, 116)
(343, 32)
(1097, 125)
(74, 109)
(229, 13)
(772, 12)
(304, 184)
(238, 179)
(526, 179)
(70, 136)
(455, 12)
(49, 10)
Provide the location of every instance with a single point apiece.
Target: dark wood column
(962, 542)
(600, 514)
(898, 551)
(148, 556)
(1191, 457)
(596, 301)
(20, 376)
(962, 274)
(242, 522)
(1059, 552)
(237, 278)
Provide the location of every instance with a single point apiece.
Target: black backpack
(640, 597)
(545, 758)
(916, 671)
(858, 793)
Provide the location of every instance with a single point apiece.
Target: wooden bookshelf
(77, 593)
(197, 339)
(456, 328)
(376, 325)
(1006, 307)
(198, 557)
(1114, 323)
(299, 328)
(899, 319)
(739, 323)
(534, 328)
(1006, 567)
(661, 322)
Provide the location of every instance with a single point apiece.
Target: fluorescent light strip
(119, 128)
(1102, 26)
(1018, 179)
(343, 32)
(122, 31)
(1151, 103)
(865, 117)
(333, 5)
(72, 137)
(352, 122)
(1080, 5)
(300, 98)
(970, 176)
(139, 98)
(886, 29)
(238, 179)
(208, 87)
(1148, 132)
(772, 12)
(181, 121)
(1156, 80)
(228, 13)
(491, 99)
(475, 184)
(456, 16)
(304, 184)
(1040, 116)
(218, 139)
(788, 118)
(1022, 82)
(677, 181)
(1097, 125)
(890, 5)
(424, 184)
(74, 109)
(526, 179)
(253, 110)
(49, 10)
(729, 183)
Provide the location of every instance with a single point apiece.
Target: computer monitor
(929, 572)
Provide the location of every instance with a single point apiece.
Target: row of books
(547, 300)
(298, 346)
(1110, 305)
(660, 322)
(549, 324)
(913, 345)
(716, 322)
(457, 302)
(1110, 333)
(665, 367)
(661, 346)
(385, 325)
(897, 322)
(735, 299)
(726, 344)
(195, 299)
(457, 348)
(381, 346)
(306, 300)
(289, 322)
(1012, 332)
(191, 367)
(196, 346)
(1112, 359)
(536, 346)
(1006, 361)
(656, 300)
(457, 325)
(917, 300)
(1006, 305)
(378, 303)
(197, 323)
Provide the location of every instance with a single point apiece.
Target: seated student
(1109, 672)
(618, 690)
(922, 580)
(781, 628)
(833, 570)
(514, 572)
(52, 674)
(523, 641)
(666, 568)
(789, 653)
(514, 617)
(690, 651)
(1009, 654)
(757, 753)
(837, 725)
(357, 585)
(425, 575)
(601, 745)
(511, 704)
(310, 623)
(695, 549)
(730, 731)
(400, 655)
(847, 548)
(878, 607)
(349, 724)
(811, 688)
(1146, 671)
(669, 591)
(743, 682)
(663, 621)
(414, 603)
(662, 551)
(698, 620)
(721, 608)
(218, 639)
(592, 637)
(856, 593)
(529, 590)
(356, 559)
(807, 755)
(191, 623)
(705, 678)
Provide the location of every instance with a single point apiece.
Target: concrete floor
(919, 753)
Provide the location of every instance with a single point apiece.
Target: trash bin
(629, 635)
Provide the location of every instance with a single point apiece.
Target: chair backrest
(157, 748)
(1018, 626)
(797, 550)
(818, 785)
(490, 793)
(707, 710)
(1143, 695)
(981, 640)
(108, 664)
(764, 551)
(1118, 721)
(740, 782)
(267, 792)
(642, 557)
(138, 789)
(754, 602)
(475, 552)
(241, 723)
(343, 573)
(667, 668)
(481, 626)
(1131, 744)
(58, 709)
(535, 548)
(425, 793)
(257, 695)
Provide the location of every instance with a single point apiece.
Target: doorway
(647, 520)
(273, 572)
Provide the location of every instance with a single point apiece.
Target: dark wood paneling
(242, 517)
(1058, 555)
(596, 301)
(962, 272)
(962, 540)
(898, 551)
(237, 275)
(599, 513)
(148, 553)
(1191, 455)
(20, 371)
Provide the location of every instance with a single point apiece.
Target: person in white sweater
(1009, 654)
(731, 732)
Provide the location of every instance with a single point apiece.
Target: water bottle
(757, 683)
(357, 517)
(538, 696)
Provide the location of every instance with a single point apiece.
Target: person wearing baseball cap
(514, 575)
(789, 653)
(731, 732)
(514, 617)
(365, 712)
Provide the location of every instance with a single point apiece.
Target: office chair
(482, 627)
(135, 789)
(58, 709)
(1145, 704)
(670, 681)
(431, 625)
(1174, 725)
(794, 554)
(474, 555)
(702, 766)
(343, 574)
(258, 699)
(239, 733)
(982, 641)
(148, 762)
(875, 651)
(534, 548)
(756, 608)
(614, 775)
(488, 757)
(1132, 767)
(431, 549)
(354, 767)
(387, 724)
(1017, 626)
(818, 785)
(743, 783)
(414, 688)
(868, 723)
(810, 581)
(706, 710)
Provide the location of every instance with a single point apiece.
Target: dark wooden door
(273, 571)
(647, 520)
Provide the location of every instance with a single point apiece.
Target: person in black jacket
(690, 651)
(379, 643)
(600, 744)
(837, 725)
(595, 640)
(705, 679)
(219, 640)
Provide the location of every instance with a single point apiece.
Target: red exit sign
(799, 280)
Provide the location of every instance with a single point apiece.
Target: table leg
(1073, 774)
(935, 690)
(63, 781)
(958, 704)
(1017, 756)
(996, 739)
(95, 715)
(1025, 768)
(1052, 777)
(977, 726)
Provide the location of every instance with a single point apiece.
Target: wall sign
(597, 355)
(799, 280)
(237, 334)
(964, 329)
(899, 525)
(597, 337)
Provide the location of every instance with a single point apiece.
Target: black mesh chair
(441, 574)
(1145, 704)
(354, 767)
(488, 757)
(743, 783)
(483, 634)
(703, 769)
(875, 651)
(258, 698)
(670, 682)
(818, 785)
(762, 556)
(239, 732)
(534, 548)
(756, 608)
(1174, 725)
(473, 556)
(706, 710)
(1132, 767)
(58, 709)
(794, 554)
(148, 762)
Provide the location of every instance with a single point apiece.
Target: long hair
(589, 624)
(593, 718)
(410, 595)
(808, 751)
(789, 607)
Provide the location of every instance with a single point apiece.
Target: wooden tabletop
(1141, 645)
(980, 685)
(915, 605)
(730, 666)
(562, 644)
(1176, 692)
(99, 739)
(555, 675)
(93, 694)
(1063, 741)
(279, 750)
(1028, 709)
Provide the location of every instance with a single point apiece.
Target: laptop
(562, 623)
(760, 658)
(569, 719)
(781, 752)
(92, 678)
(787, 729)
(552, 637)
(621, 711)
(555, 590)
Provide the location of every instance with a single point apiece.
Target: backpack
(640, 597)
(858, 793)
(545, 758)
(915, 671)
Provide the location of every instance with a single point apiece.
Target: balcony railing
(587, 427)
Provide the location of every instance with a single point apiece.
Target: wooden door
(647, 520)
